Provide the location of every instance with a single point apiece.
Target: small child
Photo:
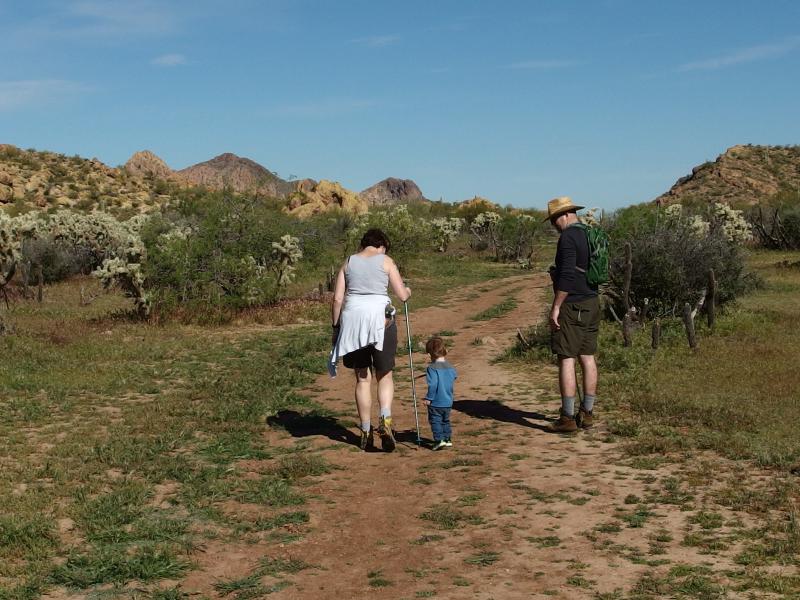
(440, 376)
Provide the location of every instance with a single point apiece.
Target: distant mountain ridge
(742, 175)
(41, 179)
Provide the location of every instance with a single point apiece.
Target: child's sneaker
(387, 435)
(448, 443)
(439, 445)
(367, 439)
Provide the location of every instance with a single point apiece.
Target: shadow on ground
(301, 425)
(497, 411)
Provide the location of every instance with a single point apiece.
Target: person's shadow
(496, 410)
(303, 425)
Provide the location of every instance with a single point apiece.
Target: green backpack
(597, 272)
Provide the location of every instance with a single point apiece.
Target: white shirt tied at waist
(362, 323)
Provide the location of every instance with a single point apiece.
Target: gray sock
(568, 405)
(588, 403)
(365, 427)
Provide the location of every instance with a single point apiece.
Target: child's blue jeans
(439, 418)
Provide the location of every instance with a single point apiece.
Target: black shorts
(580, 322)
(381, 360)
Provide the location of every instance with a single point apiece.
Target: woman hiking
(365, 331)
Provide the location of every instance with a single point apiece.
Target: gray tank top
(366, 275)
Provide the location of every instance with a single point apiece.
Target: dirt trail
(528, 510)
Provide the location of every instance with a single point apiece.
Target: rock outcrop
(392, 191)
(240, 174)
(147, 164)
(50, 180)
(740, 176)
(310, 198)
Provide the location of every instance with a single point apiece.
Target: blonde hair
(435, 347)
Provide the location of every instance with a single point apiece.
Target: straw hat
(558, 206)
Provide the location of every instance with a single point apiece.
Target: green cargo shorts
(579, 323)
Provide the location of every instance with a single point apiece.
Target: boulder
(310, 198)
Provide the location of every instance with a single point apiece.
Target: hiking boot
(387, 435)
(565, 424)
(584, 419)
(448, 443)
(367, 439)
(440, 445)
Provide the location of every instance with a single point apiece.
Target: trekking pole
(411, 365)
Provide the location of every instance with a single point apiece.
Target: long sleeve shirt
(572, 252)
(440, 376)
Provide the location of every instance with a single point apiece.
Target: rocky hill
(742, 175)
(392, 191)
(240, 174)
(46, 180)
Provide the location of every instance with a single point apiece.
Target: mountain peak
(391, 191)
(239, 173)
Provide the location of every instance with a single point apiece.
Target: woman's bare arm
(395, 281)
(338, 297)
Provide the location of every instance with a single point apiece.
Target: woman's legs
(385, 391)
(385, 396)
(364, 396)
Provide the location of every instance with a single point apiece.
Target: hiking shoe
(448, 443)
(387, 435)
(584, 419)
(441, 444)
(565, 424)
(367, 439)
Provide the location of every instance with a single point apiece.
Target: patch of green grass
(377, 580)
(447, 517)
(483, 559)
(426, 539)
(498, 310)
(470, 499)
(109, 564)
(549, 541)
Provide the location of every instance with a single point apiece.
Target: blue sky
(608, 101)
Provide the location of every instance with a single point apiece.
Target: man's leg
(567, 384)
(585, 417)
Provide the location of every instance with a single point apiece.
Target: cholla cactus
(732, 222)
(129, 277)
(699, 226)
(590, 217)
(445, 230)
(484, 222)
(673, 211)
(286, 253)
(9, 242)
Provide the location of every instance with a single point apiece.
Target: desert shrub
(509, 236)
(57, 259)
(776, 225)
(672, 254)
(408, 235)
(219, 251)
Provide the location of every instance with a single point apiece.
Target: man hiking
(574, 316)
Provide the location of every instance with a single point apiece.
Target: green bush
(671, 258)
(218, 252)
